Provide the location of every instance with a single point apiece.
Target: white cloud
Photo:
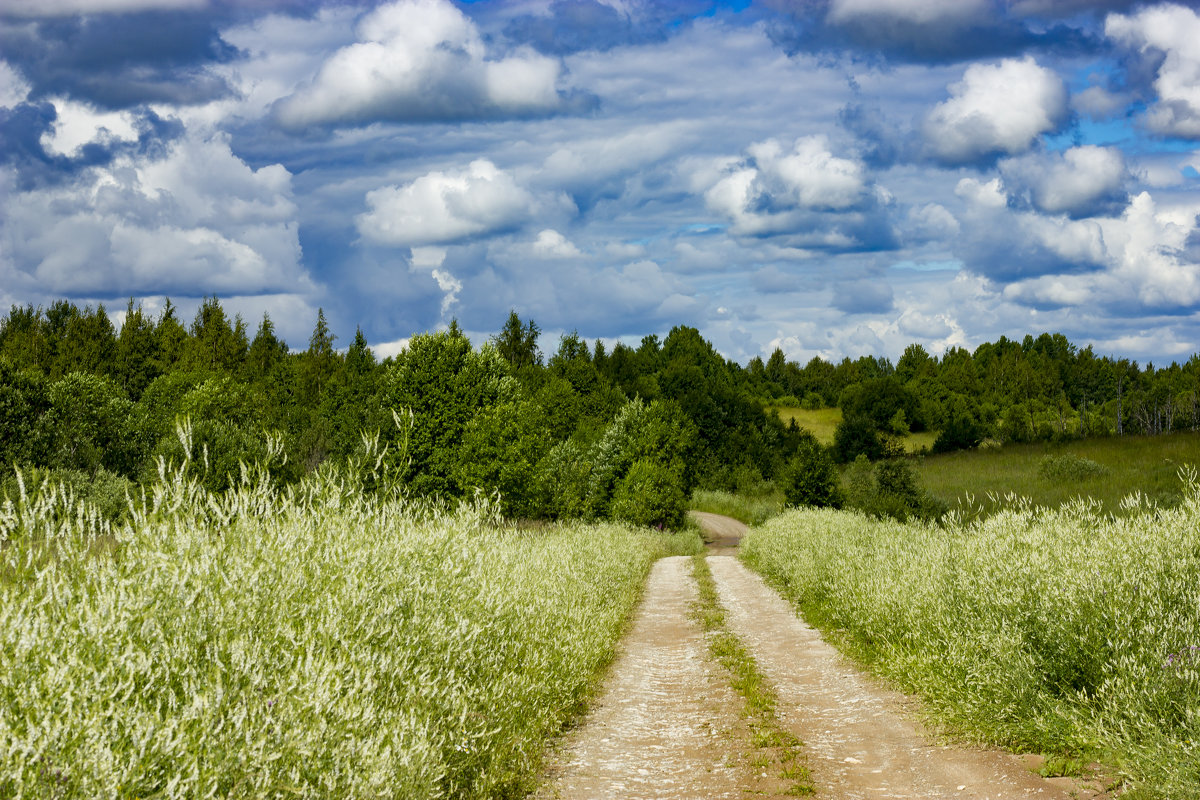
(442, 207)
(552, 244)
(996, 109)
(421, 60)
(77, 124)
(13, 87)
(771, 191)
(1174, 31)
(192, 221)
(1075, 182)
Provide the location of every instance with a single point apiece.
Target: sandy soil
(663, 723)
(667, 723)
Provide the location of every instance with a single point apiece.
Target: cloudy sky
(833, 177)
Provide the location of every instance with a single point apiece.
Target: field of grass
(752, 510)
(1146, 464)
(822, 422)
(308, 643)
(1065, 632)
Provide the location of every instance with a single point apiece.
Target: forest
(580, 431)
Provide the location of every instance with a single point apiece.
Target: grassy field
(822, 422)
(1065, 632)
(311, 643)
(1149, 465)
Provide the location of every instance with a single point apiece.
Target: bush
(650, 494)
(1068, 467)
(961, 433)
(889, 489)
(855, 436)
(810, 478)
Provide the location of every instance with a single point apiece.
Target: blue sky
(832, 177)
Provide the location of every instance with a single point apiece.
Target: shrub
(810, 478)
(650, 494)
(1069, 467)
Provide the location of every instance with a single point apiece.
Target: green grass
(750, 510)
(822, 423)
(1146, 464)
(767, 735)
(310, 642)
(1067, 632)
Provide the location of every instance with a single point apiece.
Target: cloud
(552, 244)
(441, 207)
(118, 61)
(864, 296)
(803, 192)
(917, 31)
(1084, 181)
(422, 61)
(62, 8)
(191, 220)
(1170, 34)
(998, 109)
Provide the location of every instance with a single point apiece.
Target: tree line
(580, 431)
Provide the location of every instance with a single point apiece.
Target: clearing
(667, 724)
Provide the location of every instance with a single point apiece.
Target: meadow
(984, 477)
(1068, 632)
(318, 641)
(823, 422)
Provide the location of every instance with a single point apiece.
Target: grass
(1146, 464)
(823, 422)
(1068, 632)
(311, 642)
(775, 745)
(752, 510)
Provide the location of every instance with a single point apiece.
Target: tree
(444, 383)
(137, 352)
(217, 346)
(517, 342)
(810, 478)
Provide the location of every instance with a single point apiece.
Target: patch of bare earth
(863, 741)
(667, 723)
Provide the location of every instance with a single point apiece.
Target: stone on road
(861, 740)
(661, 725)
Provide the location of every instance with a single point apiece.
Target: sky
(829, 177)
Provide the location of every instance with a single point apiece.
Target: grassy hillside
(1052, 474)
(824, 421)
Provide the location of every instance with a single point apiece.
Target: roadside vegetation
(1067, 632)
(333, 638)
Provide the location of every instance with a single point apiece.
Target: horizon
(836, 179)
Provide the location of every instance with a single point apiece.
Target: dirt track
(666, 725)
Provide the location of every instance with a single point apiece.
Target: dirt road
(667, 726)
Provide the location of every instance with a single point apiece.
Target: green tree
(137, 352)
(517, 342)
(810, 478)
(444, 383)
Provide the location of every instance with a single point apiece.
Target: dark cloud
(117, 61)
(863, 296)
(21, 147)
(986, 31)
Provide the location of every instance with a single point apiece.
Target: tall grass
(752, 509)
(1146, 464)
(312, 643)
(1066, 631)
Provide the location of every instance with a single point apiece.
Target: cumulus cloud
(552, 244)
(444, 207)
(863, 296)
(1171, 33)
(1084, 181)
(192, 220)
(804, 192)
(422, 60)
(996, 109)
